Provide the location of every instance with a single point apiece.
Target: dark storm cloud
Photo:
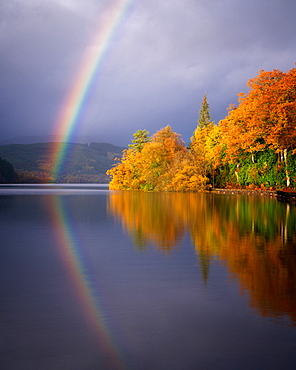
(162, 59)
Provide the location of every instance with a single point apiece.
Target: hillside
(82, 163)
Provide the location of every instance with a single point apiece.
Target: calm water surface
(94, 279)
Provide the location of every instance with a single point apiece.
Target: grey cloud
(159, 63)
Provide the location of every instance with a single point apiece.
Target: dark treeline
(7, 173)
(9, 176)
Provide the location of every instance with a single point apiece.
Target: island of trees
(253, 147)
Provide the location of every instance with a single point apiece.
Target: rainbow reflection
(70, 253)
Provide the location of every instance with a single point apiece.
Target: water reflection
(255, 237)
(65, 222)
(149, 218)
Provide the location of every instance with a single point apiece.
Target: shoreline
(279, 194)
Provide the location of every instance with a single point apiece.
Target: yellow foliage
(164, 164)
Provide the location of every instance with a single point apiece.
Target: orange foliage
(266, 116)
(148, 217)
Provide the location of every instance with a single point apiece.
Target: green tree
(141, 137)
(204, 118)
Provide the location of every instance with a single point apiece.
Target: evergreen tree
(204, 114)
(140, 138)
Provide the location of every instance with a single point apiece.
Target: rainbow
(69, 251)
(71, 110)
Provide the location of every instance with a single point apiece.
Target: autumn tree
(250, 127)
(158, 157)
(163, 164)
(125, 175)
(186, 174)
(265, 118)
(203, 140)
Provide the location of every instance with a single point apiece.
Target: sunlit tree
(265, 118)
(204, 141)
(141, 137)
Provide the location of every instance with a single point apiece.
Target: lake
(98, 279)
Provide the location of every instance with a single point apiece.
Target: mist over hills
(33, 139)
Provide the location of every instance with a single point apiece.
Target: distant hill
(82, 162)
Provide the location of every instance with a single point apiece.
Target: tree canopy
(141, 137)
(164, 164)
(253, 146)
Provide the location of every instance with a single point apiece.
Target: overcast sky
(163, 57)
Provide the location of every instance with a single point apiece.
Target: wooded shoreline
(253, 147)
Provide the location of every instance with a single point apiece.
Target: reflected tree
(255, 237)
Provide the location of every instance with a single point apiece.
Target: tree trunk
(285, 154)
(236, 173)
